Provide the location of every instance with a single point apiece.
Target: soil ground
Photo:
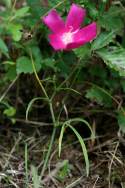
(106, 155)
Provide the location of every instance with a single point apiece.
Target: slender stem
(52, 114)
(9, 87)
(37, 78)
(12, 10)
(14, 4)
(70, 75)
(49, 100)
(48, 153)
(44, 91)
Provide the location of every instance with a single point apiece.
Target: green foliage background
(95, 71)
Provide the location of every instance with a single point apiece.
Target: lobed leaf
(114, 57)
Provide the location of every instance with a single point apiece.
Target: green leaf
(24, 65)
(114, 57)
(93, 12)
(49, 63)
(103, 40)
(11, 73)
(36, 8)
(33, 47)
(68, 124)
(10, 112)
(113, 19)
(60, 138)
(3, 47)
(15, 31)
(76, 120)
(64, 68)
(83, 51)
(81, 141)
(96, 94)
(64, 170)
(21, 12)
(37, 57)
(30, 105)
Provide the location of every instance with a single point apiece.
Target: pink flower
(68, 35)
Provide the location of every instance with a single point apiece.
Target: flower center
(67, 38)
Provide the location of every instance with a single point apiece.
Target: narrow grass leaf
(60, 138)
(30, 105)
(83, 121)
(83, 147)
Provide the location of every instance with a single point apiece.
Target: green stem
(37, 78)
(48, 152)
(52, 114)
(9, 87)
(49, 100)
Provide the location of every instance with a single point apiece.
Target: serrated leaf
(103, 40)
(24, 65)
(112, 20)
(93, 12)
(114, 57)
(96, 94)
(115, 11)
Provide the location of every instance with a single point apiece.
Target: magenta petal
(83, 36)
(54, 21)
(86, 34)
(56, 42)
(75, 17)
(73, 46)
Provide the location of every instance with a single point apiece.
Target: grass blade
(85, 153)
